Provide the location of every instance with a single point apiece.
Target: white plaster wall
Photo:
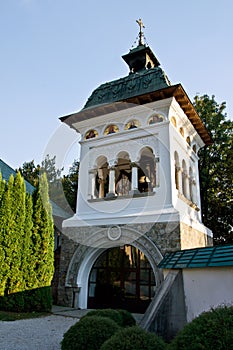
(205, 288)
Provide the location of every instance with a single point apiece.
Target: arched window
(191, 183)
(155, 118)
(184, 179)
(188, 140)
(177, 170)
(173, 121)
(147, 171)
(132, 124)
(181, 130)
(91, 134)
(194, 148)
(111, 129)
(102, 178)
(123, 174)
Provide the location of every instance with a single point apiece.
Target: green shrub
(109, 313)
(127, 319)
(210, 330)
(89, 333)
(134, 338)
(37, 300)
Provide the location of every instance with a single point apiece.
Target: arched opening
(132, 124)
(121, 277)
(177, 170)
(147, 171)
(102, 178)
(155, 118)
(123, 174)
(184, 179)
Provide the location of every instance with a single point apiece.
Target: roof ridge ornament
(141, 34)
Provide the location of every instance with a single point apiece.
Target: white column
(134, 179)
(112, 185)
(93, 173)
(101, 183)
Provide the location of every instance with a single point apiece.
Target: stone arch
(85, 256)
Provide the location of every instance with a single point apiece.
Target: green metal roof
(134, 84)
(7, 171)
(199, 257)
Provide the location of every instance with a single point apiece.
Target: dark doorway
(121, 278)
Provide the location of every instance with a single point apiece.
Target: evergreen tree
(27, 266)
(16, 234)
(216, 164)
(43, 235)
(70, 184)
(4, 268)
(6, 220)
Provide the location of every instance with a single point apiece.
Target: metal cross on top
(141, 25)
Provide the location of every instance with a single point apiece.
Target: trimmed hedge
(109, 313)
(89, 333)
(38, 300)
(210, 330)
(134, 338)
(127, 319)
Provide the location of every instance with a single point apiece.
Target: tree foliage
(216, 164)
(26, 243)
(70, 184)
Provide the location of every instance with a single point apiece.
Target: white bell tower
(138, 178)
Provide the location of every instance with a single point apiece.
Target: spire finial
(141, 35)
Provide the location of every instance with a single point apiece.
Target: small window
(111, 129)
(156, 118)
(194, 148)
(91, 134)
(173, 121)
(188, 140)
(181, 130)
(132, 124)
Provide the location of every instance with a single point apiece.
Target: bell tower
(138, 178)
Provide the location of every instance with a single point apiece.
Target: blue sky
(54, 53)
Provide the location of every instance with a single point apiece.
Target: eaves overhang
(176, 91)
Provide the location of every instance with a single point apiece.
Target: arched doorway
(121, 277)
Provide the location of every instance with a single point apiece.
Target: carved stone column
(134, 179)
(101, 183)
(112, 186)
(92, 174)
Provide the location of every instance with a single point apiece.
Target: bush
(134, 338)
(210, 330)
(127, 319)
(38, 299)
(89, 333)
(109, 313)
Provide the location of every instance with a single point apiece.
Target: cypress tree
(6, 220)
(43, 235)
(15, 234)
(26, 264)
(3, 268)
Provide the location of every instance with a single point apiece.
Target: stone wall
(153, 239)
